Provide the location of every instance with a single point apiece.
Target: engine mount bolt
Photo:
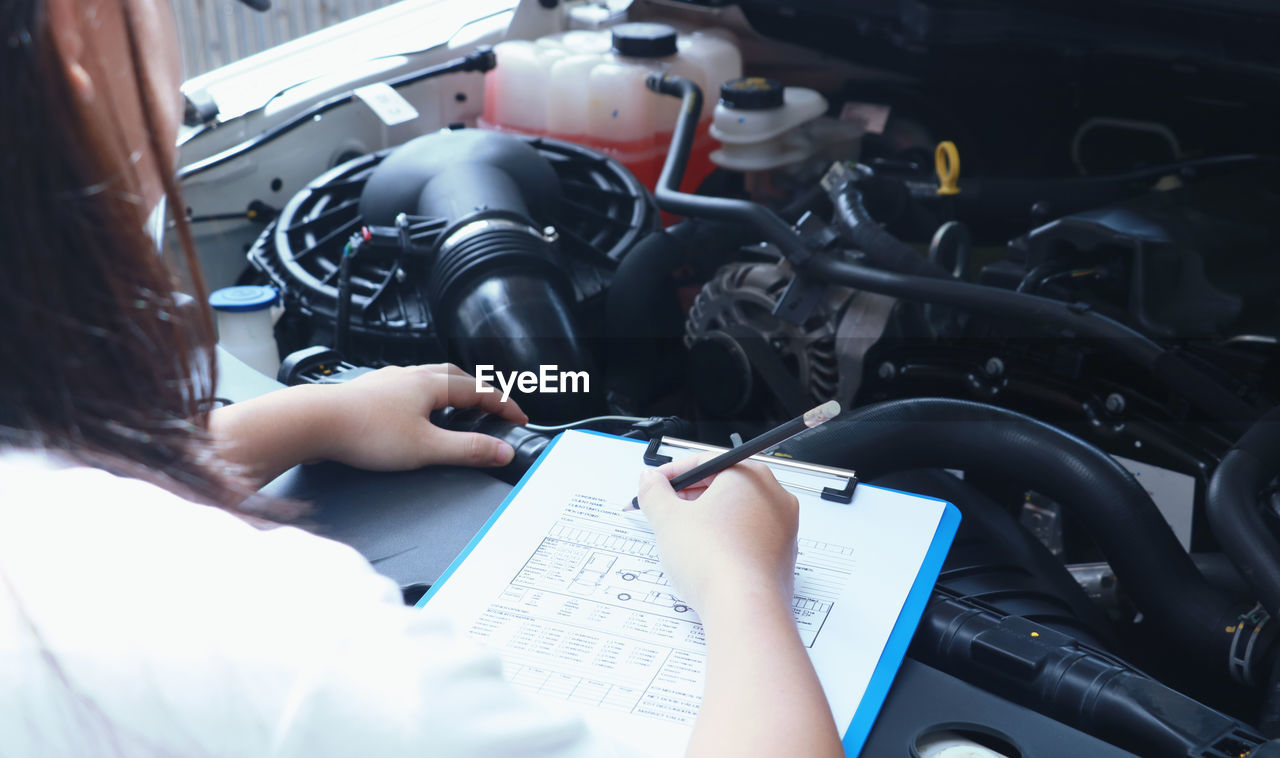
(887, 371)
(550, 233)
(1115, 403)
(994, 367)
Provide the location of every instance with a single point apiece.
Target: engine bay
(1031, 249)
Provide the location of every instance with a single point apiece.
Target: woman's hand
(378, 421)
(735, 529)
(384, 418)
(729, 545)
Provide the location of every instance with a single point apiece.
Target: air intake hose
(498, 292)
(942, 433)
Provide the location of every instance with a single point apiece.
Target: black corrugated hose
(883, 250)
(985, 440)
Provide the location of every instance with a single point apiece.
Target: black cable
(1031, 283)
(1191, 164)
(480, 60)
(208, 217)
(585, 422)
(342, 323)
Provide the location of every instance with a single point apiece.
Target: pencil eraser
(824, 412)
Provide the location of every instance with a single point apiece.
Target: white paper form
(570, 591)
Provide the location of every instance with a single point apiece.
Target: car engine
(1032, 250)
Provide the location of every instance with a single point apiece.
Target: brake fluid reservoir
(758, 123)
(588, 87)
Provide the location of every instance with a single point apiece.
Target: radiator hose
(989, 441)
(1232, 505)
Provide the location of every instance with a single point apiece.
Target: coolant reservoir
(517, 100)
(588, 87)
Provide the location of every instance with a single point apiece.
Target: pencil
(807, 420)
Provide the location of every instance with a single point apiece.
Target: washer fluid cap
(751, 93)
(243, 299)
(644, 40)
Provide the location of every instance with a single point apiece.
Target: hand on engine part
(378, 421)
(735, 529)
(383, 418)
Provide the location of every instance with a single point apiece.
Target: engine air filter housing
(396, 299)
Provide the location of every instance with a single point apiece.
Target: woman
(140, 613)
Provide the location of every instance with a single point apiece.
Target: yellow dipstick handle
(946, 161)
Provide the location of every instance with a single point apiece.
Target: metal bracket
(799, 299)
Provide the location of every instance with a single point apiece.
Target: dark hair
(97, 359)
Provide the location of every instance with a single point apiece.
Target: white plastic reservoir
(245, 319)
(588, 87)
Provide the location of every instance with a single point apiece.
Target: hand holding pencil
(712, 466)
(734, 528)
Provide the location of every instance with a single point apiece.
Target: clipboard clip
(842, 495)
(651, 455)
(655, 428)
(655, 431)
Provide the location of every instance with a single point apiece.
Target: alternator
(741, 354)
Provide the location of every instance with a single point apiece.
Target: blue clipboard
(895, 648)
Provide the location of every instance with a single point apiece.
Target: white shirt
(135, 623)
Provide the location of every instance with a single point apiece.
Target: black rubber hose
(643, 321)
(1234, 515)
(996, 540)
(1231, 504)
(668, 196)
(1173, 371)
(883, 250)
(989, 441)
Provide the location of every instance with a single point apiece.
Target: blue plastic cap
(241, 299)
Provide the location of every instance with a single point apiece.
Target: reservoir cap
(242, 299)
(644, 40)
(751, 93)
